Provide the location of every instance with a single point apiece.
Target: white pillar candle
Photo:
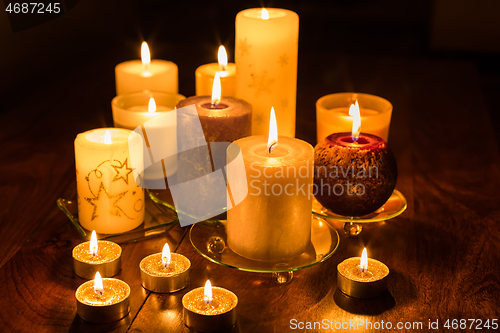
(146, 74)
(205, 76)
(266, 57)
(273, 222)
(109, 199)
(136, 109)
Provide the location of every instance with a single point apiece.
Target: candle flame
(207, 294)
(216, 90)
(265, 14)
(107, 138)
(222, 56)
(165, 256)
(272, 141)
(152, 105)
(98, 287)
(356, 121)
(363, 264)
(93, 243)
(145, 55)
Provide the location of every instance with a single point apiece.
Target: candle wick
(271, 146)
(222, 68)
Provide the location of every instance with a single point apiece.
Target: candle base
(164, 284)
(87, 271)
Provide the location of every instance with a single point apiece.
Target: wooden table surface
(443, 251)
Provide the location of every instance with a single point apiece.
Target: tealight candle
(205, 76)
(362, 277)
(332, 114)
(266, 56)
(93, 256)
(355, 173)
(139, 109)
(146, 74)
(102, 300)
(165, 272)
(273, 222)
(209, 309)
(110, 199)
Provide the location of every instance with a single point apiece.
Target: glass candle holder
(332, 114)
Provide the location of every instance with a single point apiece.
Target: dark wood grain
(442, 251)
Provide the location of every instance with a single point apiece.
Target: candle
(355, 173)
(223, 119)
(362, 277)
(146, 74)
(90, 257)
(332, 114)
(102, 300)
(209, 309)
(266, 57)
(139, 109)
(273, 222)
(205, 76)
(165, 272)
(109, 199)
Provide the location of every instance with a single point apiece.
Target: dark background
(189, 32)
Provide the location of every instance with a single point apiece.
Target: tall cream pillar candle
(266, 58)
(273, 221)
(205, 76)
(146, 74)
(109, 199)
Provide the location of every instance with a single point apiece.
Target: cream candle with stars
(109, 198)
(266, 58)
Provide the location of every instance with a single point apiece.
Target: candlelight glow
(93, 243)
(165, 256)
(265, 14)
(152, 105)
(207, 294)
(363, 265)
(272, 141)
(356, 121)
(222, 56)
(216, 90)
(145, 55)
(98, 287)
(107, 138)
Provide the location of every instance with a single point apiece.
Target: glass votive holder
(134, 110)
(332, 114)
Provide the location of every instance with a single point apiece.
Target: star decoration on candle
(258, 118)
(244, 47)
(94, 201)
(122, 171)
(284, 103)
(283, 60)
(261, 83)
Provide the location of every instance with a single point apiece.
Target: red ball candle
(353, 177)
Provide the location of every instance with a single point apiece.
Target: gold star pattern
(284, 103)
(261, 83)
(93, 201)
(122, 171)
(258, 119)
(283, 60)
(244, 47)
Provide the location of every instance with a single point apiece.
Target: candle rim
(156, 66)
(202, 289)
(86, 245)
(356, 261)
(126, 138)
(274, 13)
(91, 284)
(173, 255)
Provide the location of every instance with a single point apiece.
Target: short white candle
(109, 199)
(205, 76)
(266, 58)
(146, 74)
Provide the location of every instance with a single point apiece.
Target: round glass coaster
(210, 240)
(393, 207)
